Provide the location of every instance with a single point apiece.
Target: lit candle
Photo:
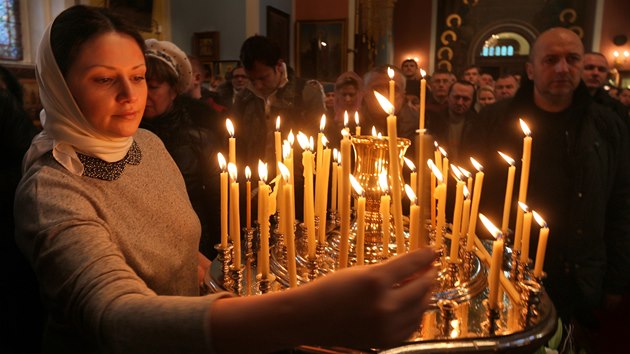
(288, 212)
(496, 264)
(423, 99)
(344, 204)
(457, 213)
(309, 214)
(414, 218)
(248, 198)
(333, 190)
(235, 228)
(509, 187)
(320, 146)
(322, 191)
(445, 164)
(385, 214)
(263, 204)
(277, 138)
(441, 204)
(346, 120)
(360, 240)
(475, 204)
(394, 171)
(469, 180)
(289, 160)
(413, 176)
(438, 156)
(231, 141)
(224, 201)
(522, 192)
(392, 88)
(432, 191)
(465, 212)
(527, 227)
(357, 128)
(542, 245)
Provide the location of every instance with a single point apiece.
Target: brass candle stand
(458, 311)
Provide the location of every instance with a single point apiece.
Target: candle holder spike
(236, 276)
(530, 302)
(224, 257)
(264, 285)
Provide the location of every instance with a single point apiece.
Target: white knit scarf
(65, 129)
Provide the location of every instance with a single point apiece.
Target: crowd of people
(119, 223)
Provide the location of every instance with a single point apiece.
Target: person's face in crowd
(485, 98)
(486, 80)
(239, 79)
(624, 97)
(505, 87)
(380, 82)
(460, 99)
(160, 98)
(329, 100)
(472, 75)
(107, 80)
(266, 79)
(410, 69)
(595, 72)
(440, 82)
(556, 66)
(348, 97)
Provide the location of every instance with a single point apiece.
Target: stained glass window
(10, 34)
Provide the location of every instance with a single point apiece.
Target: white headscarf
(66, 130)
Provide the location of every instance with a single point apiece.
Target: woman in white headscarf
(103, 216)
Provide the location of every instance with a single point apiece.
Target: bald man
(579, 180)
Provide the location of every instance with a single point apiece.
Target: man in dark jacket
(579, 179)
(595, 76)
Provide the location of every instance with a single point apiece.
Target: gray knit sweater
(116, 260)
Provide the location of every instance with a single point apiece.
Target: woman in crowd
(172, 115)
(103, 216)
(485, 96)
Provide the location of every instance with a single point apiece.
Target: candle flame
(356, 118)
(291, 137)
(357, 186)
(286, 149)
(303, 141)
(385, 104)
(411, 194)
(466, 192)
(262, 171)
(339, 159)
(508, 159)
(382, 181)
(539, 219)
(458, 174)
(494, 231)
(390, 73)
(248, 172)
(442, 151)
(477, 165)
(230, 127)
(232, 171)
(345, 119)
(278, 123)
(423, 73)
(322, 123)
(311, 144)
(324, 140)
(410, 164)
(465, 172)
(344, 133)
(222, 162)
(335, 155)
(523, 206)
(284, 171)
(374, 131)
(436, 171)
(379, 135)
(435, 143)
(525, 128)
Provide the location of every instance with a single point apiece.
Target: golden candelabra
(459, 318)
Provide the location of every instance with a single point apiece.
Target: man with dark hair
(579, 178)
(439, 84)
(272, 91)
(409, 68)
(449, 126)
(595, 76)
(471, 74)
(505, 87)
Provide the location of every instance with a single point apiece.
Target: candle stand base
(449, 324)
(530, 302)
(264, 283)
(515, 264)
(313, 268)
(492, 323)
(236, 276)
(224, 257)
